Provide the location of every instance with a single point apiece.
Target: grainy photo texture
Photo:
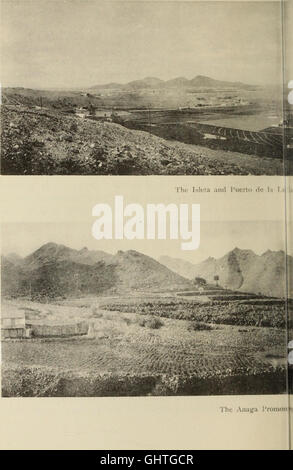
(87, 322)
(143, 88)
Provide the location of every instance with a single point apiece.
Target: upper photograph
(143, 88)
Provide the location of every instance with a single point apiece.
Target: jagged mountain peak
(242, 252)
(242, 269)
(274, 253)
(62, 271)
(53, 252)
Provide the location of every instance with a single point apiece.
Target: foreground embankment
(40, 382)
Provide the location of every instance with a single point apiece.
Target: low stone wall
(80, 328)
(7, 333)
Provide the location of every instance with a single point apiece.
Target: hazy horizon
(62, 213)
(243, 248)
(258, 236)
(79, 44)
(122, 83)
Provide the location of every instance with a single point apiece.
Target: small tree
(200, 281)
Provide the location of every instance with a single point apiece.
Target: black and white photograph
(144, 88)
(115, 315)
(146, 245)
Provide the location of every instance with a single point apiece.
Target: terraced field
(224, 309)
(262, 145)
(125, 356)
(259, 137)
(141, 351)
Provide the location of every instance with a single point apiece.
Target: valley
(127, 353)
(150, 126)
(95, 324)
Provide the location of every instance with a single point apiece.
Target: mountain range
(200, 81)
(149, 91)
(241, 270)
(56, 270)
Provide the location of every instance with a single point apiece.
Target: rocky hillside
(52, 252)
(136, 270)
(49, 142)
(58, 271)
(241, 270)
(180, 266)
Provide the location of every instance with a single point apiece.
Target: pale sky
(74, 43)
(62, 212)
(217, 238)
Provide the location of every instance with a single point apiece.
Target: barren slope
(242, 270)
(48, 142)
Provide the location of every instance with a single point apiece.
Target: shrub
(197, 326)
(200, 281)
(74, 127)
(22, 154)
(96, 313)
(153, 323)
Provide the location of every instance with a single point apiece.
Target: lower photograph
(136, 299)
